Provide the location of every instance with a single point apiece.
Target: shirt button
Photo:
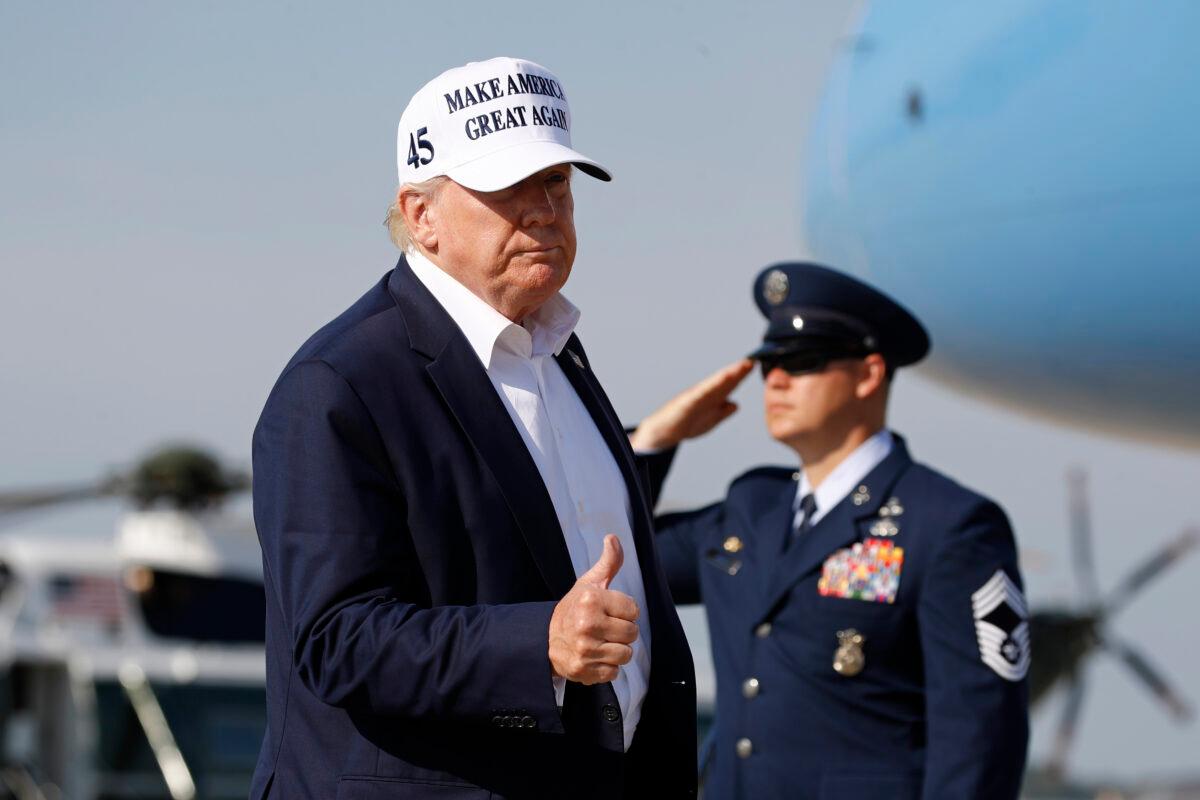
(750, 688)
(744, 748)
(612, 713)
(763, 630)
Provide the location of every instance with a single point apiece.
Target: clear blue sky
(187, 191)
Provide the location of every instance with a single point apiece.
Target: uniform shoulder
(766, 477)
(954, 502)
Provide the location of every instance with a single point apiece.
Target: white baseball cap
(488, 125)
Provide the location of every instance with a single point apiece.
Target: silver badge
(862, 495)
(775, 287)
(1002, 626)
(884, 527)
(891, 508)
(575, 357)
(849, 659)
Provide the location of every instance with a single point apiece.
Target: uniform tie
(803, 521)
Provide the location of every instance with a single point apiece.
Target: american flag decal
(90, 597)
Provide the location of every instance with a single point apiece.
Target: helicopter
(1064, 639)
(133, 666)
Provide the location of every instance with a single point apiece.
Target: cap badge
(848, 659)
(775, 287)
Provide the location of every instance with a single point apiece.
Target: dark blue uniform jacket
(926, 717)
(412, 560)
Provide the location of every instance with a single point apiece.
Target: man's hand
(694, 412)
(592, 628)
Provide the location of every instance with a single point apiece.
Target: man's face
(801, 406)
(515, 247)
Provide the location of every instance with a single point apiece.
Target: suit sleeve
(340, 561)
(975, 642)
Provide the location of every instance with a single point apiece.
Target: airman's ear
(873, 377)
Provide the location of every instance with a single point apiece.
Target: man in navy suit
(868, 626)
(463, 597)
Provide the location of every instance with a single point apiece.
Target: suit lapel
(839, 527)
(773, 525)
(464, 385)
(570, 360)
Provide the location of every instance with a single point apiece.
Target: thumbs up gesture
(593, 627)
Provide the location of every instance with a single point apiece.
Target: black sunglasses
(795, 363)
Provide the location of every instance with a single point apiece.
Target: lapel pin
(863, 495)
(733, 545)
(884, 527)
(575, 357)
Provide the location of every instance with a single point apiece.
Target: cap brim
(813, 346)
(502, 169)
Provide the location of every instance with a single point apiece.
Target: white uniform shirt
(845, 477)
(582, 478)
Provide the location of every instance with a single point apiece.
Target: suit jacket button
(750, 688)
(612, 713)
(498, 721)
(744, 748)
(763, 630)
(528, 722)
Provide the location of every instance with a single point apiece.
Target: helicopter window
(182, 606)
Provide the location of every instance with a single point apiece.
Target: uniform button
(744, 748)
(498, 721)
(763, 630)
(750, 688)
(528, 722)
(612, 713)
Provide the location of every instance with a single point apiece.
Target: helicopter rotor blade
(1152, 568)
(1068, 723)
(1151, 679)
(24, 500)
(1080, 517)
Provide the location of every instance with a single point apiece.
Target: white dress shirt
(845, 477)
(582, 478)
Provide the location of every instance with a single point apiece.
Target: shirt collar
(543, 332)
(847, 475)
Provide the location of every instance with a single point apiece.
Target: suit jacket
(412, 560)
(926, 717)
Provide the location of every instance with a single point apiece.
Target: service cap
(811, 308)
